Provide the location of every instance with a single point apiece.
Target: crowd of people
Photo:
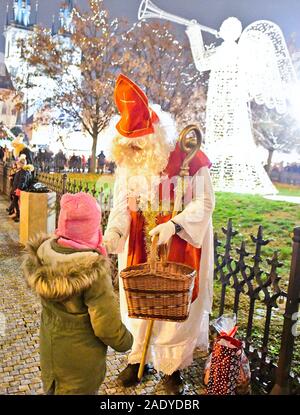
(46, 161)
(289, 167)
(286, 173)
(23, 162)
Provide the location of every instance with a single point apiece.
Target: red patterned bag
(227, 369)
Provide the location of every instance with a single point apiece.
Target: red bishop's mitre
(137, 118)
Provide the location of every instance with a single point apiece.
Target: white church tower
(17, 30)
(35, 89)
(22, 9)
(65, 16)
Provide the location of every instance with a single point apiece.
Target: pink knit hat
(79, 222)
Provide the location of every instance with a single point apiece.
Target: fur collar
(58, 277)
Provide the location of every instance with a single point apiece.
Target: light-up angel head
(231, 29)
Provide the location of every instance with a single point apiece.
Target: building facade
(8, 99)
(21, 19)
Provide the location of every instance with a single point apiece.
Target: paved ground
(19, 325)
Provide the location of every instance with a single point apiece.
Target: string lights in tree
(83, 63)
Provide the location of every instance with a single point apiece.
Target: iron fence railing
(247, 280)
(60, 184)
(4, 178)
(247, 283)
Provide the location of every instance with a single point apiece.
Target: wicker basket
(158, 290)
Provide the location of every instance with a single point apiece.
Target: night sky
(211, 13)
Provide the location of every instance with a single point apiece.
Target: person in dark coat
(78, 164)
(28, 154)
(39, 160)
(80, 312)
(73, 162)
(12, 171)
(83, 163)
(60, 161)
(111, 167)
(89, 163)
(101, 162)
(22, 181)
(48, 160)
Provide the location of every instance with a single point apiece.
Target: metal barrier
(245, 277)
(4, 178)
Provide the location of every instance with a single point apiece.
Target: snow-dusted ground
(281, 198)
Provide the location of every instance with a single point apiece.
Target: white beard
(143, 168)
(143, 188)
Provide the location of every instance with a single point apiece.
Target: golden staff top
(190, 145)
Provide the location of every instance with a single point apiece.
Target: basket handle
(153, 253)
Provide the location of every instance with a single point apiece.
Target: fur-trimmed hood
(59, 276)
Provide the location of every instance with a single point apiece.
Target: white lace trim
(168, 359)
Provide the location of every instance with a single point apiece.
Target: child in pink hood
(80, 314)
(79, 223)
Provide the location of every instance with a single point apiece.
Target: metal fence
(4, 179)
(246, 283)
(60, 184)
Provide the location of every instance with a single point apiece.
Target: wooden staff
(190, 145)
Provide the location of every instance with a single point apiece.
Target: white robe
(172, 344)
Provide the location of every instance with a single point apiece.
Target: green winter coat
(80, 315)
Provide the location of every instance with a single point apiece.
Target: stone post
(37, 214)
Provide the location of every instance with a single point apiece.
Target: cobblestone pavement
(19, 325)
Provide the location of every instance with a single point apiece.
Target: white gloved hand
(165, 232)
(111, 241)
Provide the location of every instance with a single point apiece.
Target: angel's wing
(267, 65)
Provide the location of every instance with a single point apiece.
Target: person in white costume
(141, 152)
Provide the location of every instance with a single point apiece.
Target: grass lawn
(278, 220)
(248, 212)
(288, 189)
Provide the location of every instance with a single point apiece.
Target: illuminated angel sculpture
(255, 67)
(253, 64)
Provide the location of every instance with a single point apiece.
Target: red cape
(176, 160)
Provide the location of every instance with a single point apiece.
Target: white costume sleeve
(119, 217)
(197, 215)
